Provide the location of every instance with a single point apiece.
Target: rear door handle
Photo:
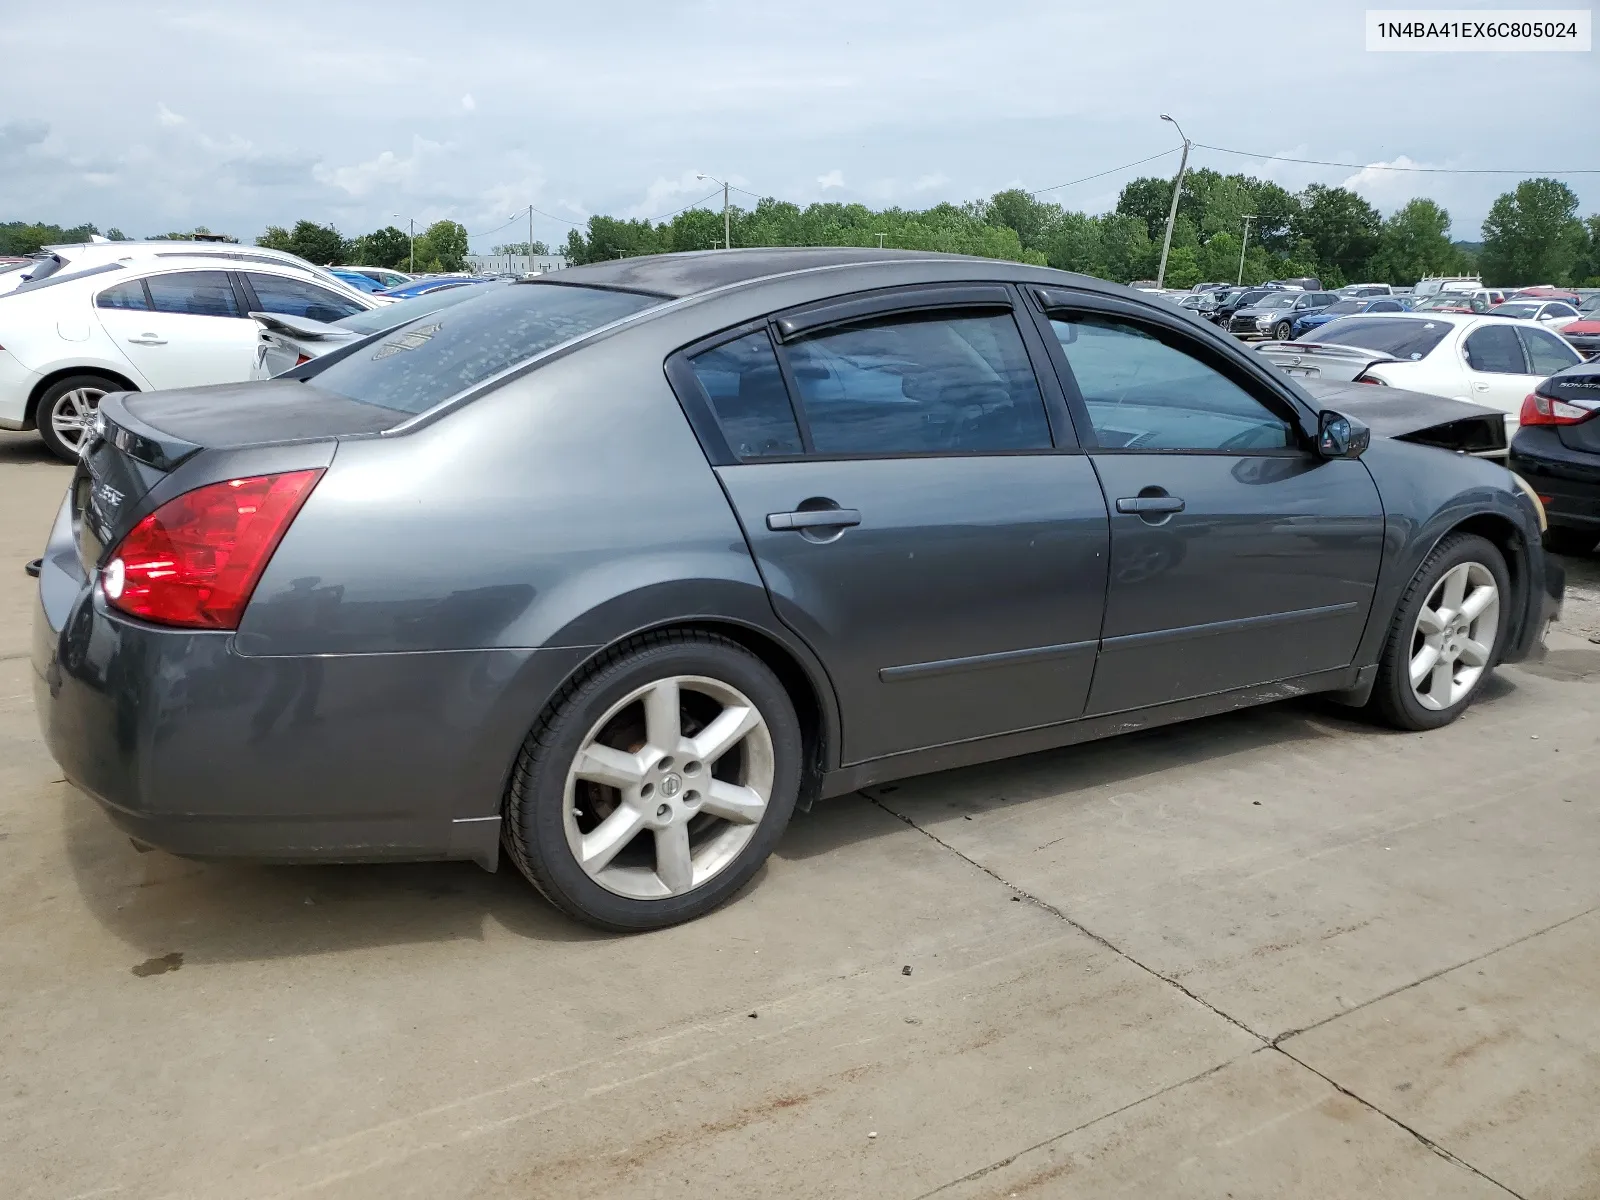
(819, 518)
(148, 339)
(1149, 504)
(1480, 387)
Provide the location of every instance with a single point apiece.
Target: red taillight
(1542, 410)
(304, 358)
(1371, 380)
(195, 560)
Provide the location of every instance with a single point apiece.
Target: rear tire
(66, 410)
(657, 783)
(1447, 629)
(1564, 539)
(1281, 331)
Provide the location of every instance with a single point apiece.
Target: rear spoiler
(1322, 360)
(298, 327)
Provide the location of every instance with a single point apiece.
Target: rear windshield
(1408, 338)
(390, 315)
(433, 357)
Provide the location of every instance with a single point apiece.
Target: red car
(1544, 292)
(1584, 334)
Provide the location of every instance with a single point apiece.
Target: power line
(687, 207)
(1317, 162)
(1103, 174)
(496, 229)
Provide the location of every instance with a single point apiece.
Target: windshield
(1446, 300)
(1401, 337)
(399, 313)
(1523, 312)
(436, 356)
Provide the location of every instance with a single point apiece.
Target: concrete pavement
(1273, 954)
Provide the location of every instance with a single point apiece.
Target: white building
(516, 264)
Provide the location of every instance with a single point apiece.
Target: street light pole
(1172, 213)
(1248, 217)
(727, 235)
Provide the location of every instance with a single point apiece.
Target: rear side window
(742, 380)
(1495, 349)
(1546, 352)
(195, 293)
(948, 384)
(296, 298)
(124, 295)
(432, 358)
(1399, 336)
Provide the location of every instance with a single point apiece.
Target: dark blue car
(1344, 308)
(418, 287)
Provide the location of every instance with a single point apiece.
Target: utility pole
(1172, 213)
(1248, 217)
(530, 239)
(727, 234)
(413, 267)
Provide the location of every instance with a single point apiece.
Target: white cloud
(927, 183)
(388, 170)
(666, 194)
(169, 118)
(833, 179)
(468, 103)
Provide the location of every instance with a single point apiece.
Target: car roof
(697, 271)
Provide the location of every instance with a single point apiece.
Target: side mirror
(1339, 436)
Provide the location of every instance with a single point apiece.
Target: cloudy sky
(162, 115)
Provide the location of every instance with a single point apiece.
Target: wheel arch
(1506, 536)
(30, 414)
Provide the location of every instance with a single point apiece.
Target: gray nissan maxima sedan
(614, 570)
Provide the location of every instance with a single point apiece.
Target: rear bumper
(199, 750)
(1567, 480)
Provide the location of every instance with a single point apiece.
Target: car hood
(1409, 416)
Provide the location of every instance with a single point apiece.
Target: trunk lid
(140, 439)
(1578, 386)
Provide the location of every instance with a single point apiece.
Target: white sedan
(1492, 361)
(147, 323)
(1551, 314)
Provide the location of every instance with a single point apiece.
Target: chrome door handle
(1149, 504)
(148, 339)
(819, 518)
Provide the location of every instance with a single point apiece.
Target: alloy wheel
(668, 787)
(73, 414)
(1453, 640)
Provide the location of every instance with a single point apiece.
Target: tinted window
(398, 313)
(434, 357)
(1323, 299)
(921, 385)
(1346, 306)
(197, 293)
(1546, 352)
(1398, 336)
(1521, 312)
(745, 387)
(296, 298)
(1560, 310)
(1495, 349)
(1143, 394)
(1379, 306)
(124, 295)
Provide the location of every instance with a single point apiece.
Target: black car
(1234, 299)
(612, 571)
(1557, 450)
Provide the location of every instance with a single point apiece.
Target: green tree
(1336, 231)
(1034, 221)
(386, 247)
(24, 237)
(1149, 199)
(1413, 244)
(319, 244)
(443, 245)
(522, 248)
(1587, 273)
(1533, 235)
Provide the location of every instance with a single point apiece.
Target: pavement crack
(1000, 1164)
(1442, 971)
(1038, 902)
(1398, 1123)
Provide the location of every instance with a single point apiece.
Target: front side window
(297, 298)
(1546, 352)
(742, 380)
(947, 384)
(124, 295)
(194, 293)
(1144, 394)
(1495, 349)
(434, 357)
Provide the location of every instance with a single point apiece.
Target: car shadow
(241, 911)
(26, 448)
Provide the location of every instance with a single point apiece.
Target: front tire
(67, 409)
(657, 783)
(1446, 635)
(1281, 331)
